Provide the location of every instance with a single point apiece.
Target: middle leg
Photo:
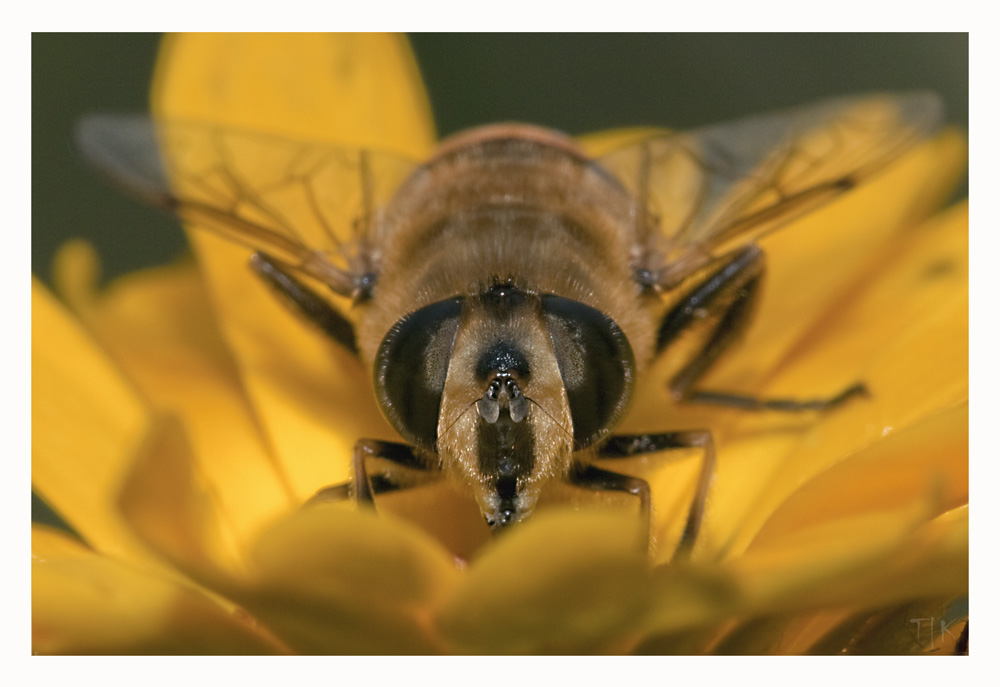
(728, 295)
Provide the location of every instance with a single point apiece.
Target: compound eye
(596, 364)
(411, 367)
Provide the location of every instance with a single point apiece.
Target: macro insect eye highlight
(411, 368)
(596, 364)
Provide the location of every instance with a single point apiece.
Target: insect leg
(400, 468)
(304, 301)
(630, 445)
(731, 289)
(592, 477)
(367, 483)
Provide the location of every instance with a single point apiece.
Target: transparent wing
(308, 205)
(707, 191)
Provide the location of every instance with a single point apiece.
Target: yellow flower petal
(921, 627)
(361, 90)
(355, 89)
(913, 357)
(563, 582)
(85, 603)
(331, 580)
(86, 422)
(905, 329)
(926, 626)
(805, 595)
(159, 328)
(871, 560)
(169, 504)
(910, 466)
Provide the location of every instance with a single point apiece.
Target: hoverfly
(507, 292)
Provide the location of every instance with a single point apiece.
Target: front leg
(631, 445)
(595, 478)
(380, 467)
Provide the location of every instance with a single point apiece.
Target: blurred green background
(573, 82)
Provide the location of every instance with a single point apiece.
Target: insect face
(508, 384)
(504, 424)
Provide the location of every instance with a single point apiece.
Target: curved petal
(563, 582)
(929, 460)
(313, 399)
(924, 626)
(369, 588)
(358, 89)
(905, 329)
(85, 603)
(873, 560)
(157, 325)
(168, 503)
(86, 422)
(905, 334)
(790, 598)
